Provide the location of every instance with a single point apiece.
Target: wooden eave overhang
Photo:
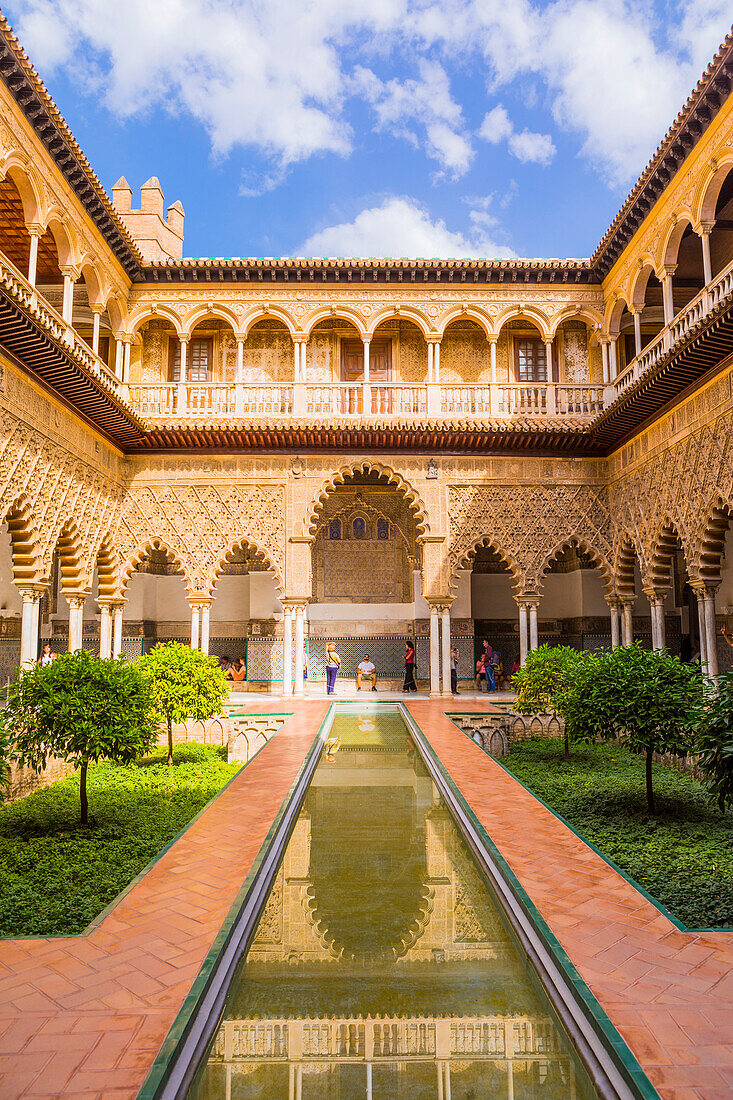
(524, 435)
(256, 271)
(33, 98)
(48, 360)
(693, 120)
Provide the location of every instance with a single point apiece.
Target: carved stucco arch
(149, 313)
(578, 542)
(465, 561)
(244, 543)
(266, 313)
(336, 313)
(627, 553)
(709, 546)
(592, 318)
(367, 466)
(671, 241)
(203, 313)
(24, 541)
(129, 565)
(524, 312)
(105, 558)
(661, 547)
(398, 313)
(467, 313)
(15, 167)
(67, 543)
(709, 186)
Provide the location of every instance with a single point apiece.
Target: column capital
(614, 602)
(300, 338)
(33, 590)
(669, 270)
(437, 603)
(200, 601)
(493, 339)
(627, 601)
(294, 603)
(433, 338)
(705, 589)
(528, 599)
(76, 599)
(704, 229)
(35, 229)
(655, 595)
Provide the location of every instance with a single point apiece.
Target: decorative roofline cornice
(337, 269)
(31, 95)
(703, 104)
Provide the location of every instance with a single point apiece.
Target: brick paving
(84, 1017)
(669, 993)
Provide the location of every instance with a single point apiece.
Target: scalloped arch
(577, 542)
(128, 567)
(466, 561)
(24, 541)
(244, 544)
(413, 499)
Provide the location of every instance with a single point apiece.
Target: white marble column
(195, 625)
(707, 267)
(31, 597)
(627, 622)
(204, 627)
(95, 331)
(296, 360)
(711, 639)
(702, 627)
(299, 642)
(126, 361)
(615, 607)
(117, 611)
(613, 357)
(105, 630)
(434, 652)
(288, 650)
(366, 360)
(492, 347)
(604, 356)
(436, 362)
(668, 294)
(118, 358)
(548, 359)
(184, 359)
(533, 632)
(76, 603)
(67, 309)
(446, 648)
(35, 233)
(239, 369)
(303, 362)
(637, 331)
(656, 604)
(431, 360)
(523, 633)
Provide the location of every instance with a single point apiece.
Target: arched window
(334, 530)
(383, 529)
(359, 528)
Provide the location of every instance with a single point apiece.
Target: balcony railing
(349, 400)
(696, 310)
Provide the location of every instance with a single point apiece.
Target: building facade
(261, 454)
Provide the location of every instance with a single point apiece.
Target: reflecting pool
(382, 966)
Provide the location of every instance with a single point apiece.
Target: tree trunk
(170, 742)
(567, 744)
(649, 787)
(83, 794)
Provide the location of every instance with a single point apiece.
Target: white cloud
(427, 102)
(281, 77)
(399, 226)
(526, 146)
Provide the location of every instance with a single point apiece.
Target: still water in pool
(382, 966)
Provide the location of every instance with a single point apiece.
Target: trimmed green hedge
(56, 875)
(683, 855)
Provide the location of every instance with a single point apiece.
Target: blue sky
(375, 127)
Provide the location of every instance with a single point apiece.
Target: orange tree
(543, 684)
(183, 683)
(80, 709)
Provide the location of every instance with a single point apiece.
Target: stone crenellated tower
(158, 238)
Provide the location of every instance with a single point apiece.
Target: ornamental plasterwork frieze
(200, 524)
(527, 524)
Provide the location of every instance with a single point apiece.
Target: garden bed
(56, 876)
(682, 856)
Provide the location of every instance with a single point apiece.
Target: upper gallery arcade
(490, 425)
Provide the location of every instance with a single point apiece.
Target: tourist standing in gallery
(409, 684)
(333, 662)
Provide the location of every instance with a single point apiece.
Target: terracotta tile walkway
(85, 1016)
(669, 993)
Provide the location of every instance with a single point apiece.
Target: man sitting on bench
(367, 671)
